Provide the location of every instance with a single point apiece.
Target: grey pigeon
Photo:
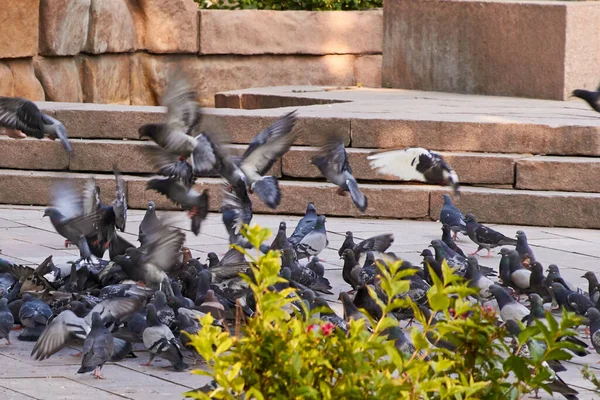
(590, 97)
(314, 241)
(523, 248)
(593, 316)
(485, 237)
(451, 216)
(351, 312)
(430, 264)
(236, 210)
(349, 265)
(554, 276)
(304, 275)
(572, 301)
(281, 241)
(537, 281)
(305, 225)
(149, 223)
(594, 286)
(348, 243)
(7, 321)
(476, 278)
(509, 308)
(520, 277)
(333, 163)
(378, 244)
(416, 164)
(316, 266)
(25, 116)
(165, 314)
(328, 315)
(447, 239)
(159, 340)
(34, 315)
(196, 204)
(98, 348)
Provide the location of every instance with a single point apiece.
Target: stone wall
(120, 51)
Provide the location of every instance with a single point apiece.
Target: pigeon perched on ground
(149, 223)
(447, 238)
(430, 264)
(160, 341)
(25, 116)
(328, 315)
(34, 315)
(7, 321)
(485, 237)
(304, 275)
(351, 312)
(593, 316)
(416, 164)
(590, 97)
(537, 281)
(554, 276)
(196, 204)
(376, 244)
(571, 300)
(509, 308)
(476, 278)
(305, 225)
(520, 277)
(98, 348)
(314, 241)
(523, 247)
(316, 266)
(594, 286)
(333, 163)
(281, 241)
(451, 216)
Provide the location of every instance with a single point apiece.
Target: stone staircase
(521, 161)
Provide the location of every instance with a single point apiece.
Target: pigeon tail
(267, 190)
(358, 197)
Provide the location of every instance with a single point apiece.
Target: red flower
(313, 328)
(327, 328)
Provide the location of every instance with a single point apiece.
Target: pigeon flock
(152, 294)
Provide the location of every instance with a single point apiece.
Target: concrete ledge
(279, 32)
(492, 47)
(571, 174)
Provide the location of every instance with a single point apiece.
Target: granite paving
(27, 238)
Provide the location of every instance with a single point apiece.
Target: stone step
(491, 205)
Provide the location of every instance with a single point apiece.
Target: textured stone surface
(25, 82)
(499, 168)
(111, 29)
(526, 207)
(101, 155)
(7, 85)
(105, 79)
(471, 46)
(368, 71)
(212, 74)
(275, 32)
(170, 26)
(33, 154)
(59, 77)
(572, 174)
(64, 26)
(19, 22)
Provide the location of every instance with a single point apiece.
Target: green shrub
(283, 355)
(283, 5)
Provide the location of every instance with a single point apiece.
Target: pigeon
(594, 286)
(402, 343)
(451, 216)
(314, 241)
(520, 277)
(281, 241)
(430, 264)
(34, 315)
(165, 314)
(149, 223)
(305, 225)
(98, 347)
(304, 275)
(195, 203)
(476, 278)
(416, 164)
(348, 243)
(349, 264)
(316, 266)
(484, 237)
(554, 276)
(333, 163)
(159, 340)
(351, 312)
(7, 320)
(211, 305)
(455, 261)
(328, 315)
(592, 98)
(571, 300)
(523, 247)
(593, 316)
(509, 308)
(447, 239)
(379, 244)
(537, 281)
(25, 116)
(236, 210)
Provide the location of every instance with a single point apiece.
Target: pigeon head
(593, 314)
(348, 254)
(558, 287)
(52, 212)
(310, 208)
(553, 268)
(160, 299)
(583, 94)
(151, 205)
(320, 302)
(591, 277)
(447, 199)
(97, 320)
(500, 294)
(426, 253)
(349, 234)
(470, 218)
(308, 294)
(536, 300)
(320, 224)
(537, 268)
(282, 226)
(149, 130)
(521, 234)
(212, 258)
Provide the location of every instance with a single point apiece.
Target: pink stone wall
(120, 51)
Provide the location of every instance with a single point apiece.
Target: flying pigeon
(333, 163)
(484, 237)
(25, 116)
(451, 216)
(416, 164)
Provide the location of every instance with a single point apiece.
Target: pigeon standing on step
(416, 164)
(523, 248)
(485, 237)
(6, 320)
(23, 115)
(590, 97)
(333, 163)
(451, 216)
(314, 241)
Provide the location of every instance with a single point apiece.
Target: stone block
(111, 29)
(105, 79)
(26, 84)
(571, 174)
(368, 71)
(64, 26)
(170, 26)
(479, 168)
(276, 32)
(33, 154)
(473, 46)
(213, 74)
(101, 155)
(491, 137)
(7, 84)
(19, 28)
(524, 207)
(59, 77)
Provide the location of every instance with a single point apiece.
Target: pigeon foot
(193, 212)
(146, 364)
(8, 343)
(68, 243)
(97, 374)
(341, 192)
(18, 328)
(78, 354)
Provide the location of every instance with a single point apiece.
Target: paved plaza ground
(27, 238)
